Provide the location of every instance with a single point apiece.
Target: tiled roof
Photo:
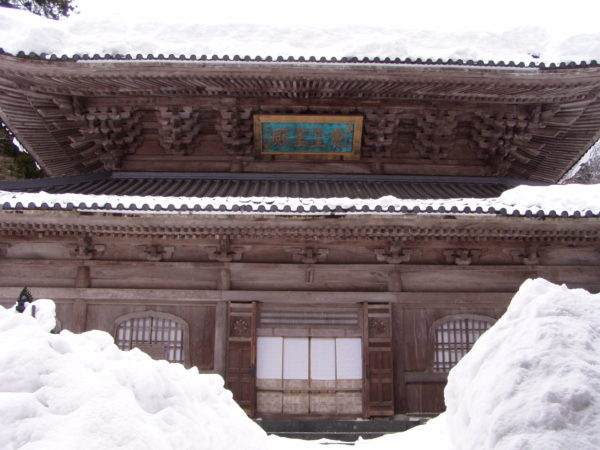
(296, 194)
(145, 184)
(302, 59)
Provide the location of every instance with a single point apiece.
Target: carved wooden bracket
(528, 256)
(224, 252)
(3, 249)
(156, 252)
(108, 134)
(179, 128)
(435, 133)
(308, 255)
(235, 128)
(462, 257)
(86, 249)
(379, 132)
(394, 254)
(503, 138)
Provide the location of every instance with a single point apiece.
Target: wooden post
(220, 361)
(83, 279)
(79, 316)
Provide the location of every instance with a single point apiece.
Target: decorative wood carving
(462, 257)
(394, 254)
(108, 135)
(568, 233)
(435, 133)
(3, 249)
(378, 327)
(178, 129)
(503, 138)
(308, 255)
(240, 328)
(86, 249)
(528, 256)
(235, 127)
(380, 129)
(156, 252)
(224, 252)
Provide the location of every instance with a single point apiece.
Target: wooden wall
(111, 277)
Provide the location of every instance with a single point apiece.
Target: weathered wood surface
(528, 123)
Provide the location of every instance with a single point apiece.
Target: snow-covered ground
(514, 30)
(532, 381)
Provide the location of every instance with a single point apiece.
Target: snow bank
(384, 29)
(533, 380)
(73, 391)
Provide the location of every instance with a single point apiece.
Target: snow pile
(383, 29)
(533, 380)
(564, 197)
(44, 311)
(569, 198)
(72, 391)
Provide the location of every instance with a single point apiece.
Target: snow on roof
(351, 30)
(571, 200)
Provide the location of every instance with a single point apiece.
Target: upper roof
(467, 118)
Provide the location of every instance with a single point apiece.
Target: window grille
(454, 338)
(160, 335)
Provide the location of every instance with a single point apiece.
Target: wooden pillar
(83, 279)
(220, 361)
(225, 278)
(79, 316)
(395, 281)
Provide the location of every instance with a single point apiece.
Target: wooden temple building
(326, 234)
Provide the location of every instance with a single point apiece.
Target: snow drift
(73, 391)
(532, 381)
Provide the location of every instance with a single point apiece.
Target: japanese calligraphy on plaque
(321, 137)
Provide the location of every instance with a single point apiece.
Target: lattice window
(453, 338)
(160, 335)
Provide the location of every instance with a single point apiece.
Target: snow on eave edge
(275, 205)
(301, 59)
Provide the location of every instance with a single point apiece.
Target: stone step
(340, 430)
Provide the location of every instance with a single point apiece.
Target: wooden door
(379, 361)
(240, 376)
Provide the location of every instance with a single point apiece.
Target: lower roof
(299, 194)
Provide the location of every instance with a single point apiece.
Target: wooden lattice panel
(453, 339)
(160, 337)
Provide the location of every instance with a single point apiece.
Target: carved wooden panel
(240, 375)
(379, 361)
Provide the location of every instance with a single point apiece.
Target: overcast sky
(447, 15)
